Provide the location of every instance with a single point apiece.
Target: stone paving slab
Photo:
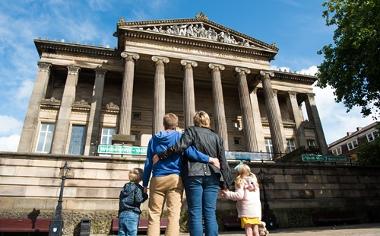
(349, 230)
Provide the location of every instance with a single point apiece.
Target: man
(166, 183)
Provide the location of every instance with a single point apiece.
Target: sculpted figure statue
(155, 29)
(182, 30)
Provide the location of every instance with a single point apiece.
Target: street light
(56, 226)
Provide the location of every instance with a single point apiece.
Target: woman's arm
(194, 155)
(185, 141)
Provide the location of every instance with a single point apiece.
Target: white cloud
(9, 124)
(312, 70)
(9, 143)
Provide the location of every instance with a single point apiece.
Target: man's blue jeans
(128, 223)
(202, 193)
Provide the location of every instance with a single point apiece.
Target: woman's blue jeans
(128, 223)
(202, 193)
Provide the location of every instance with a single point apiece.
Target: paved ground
(351, 230)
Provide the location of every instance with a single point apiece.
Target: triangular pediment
(198, 28)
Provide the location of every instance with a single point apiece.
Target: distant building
(349, 143)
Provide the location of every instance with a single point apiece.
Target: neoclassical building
(86, 95)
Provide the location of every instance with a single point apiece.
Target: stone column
(92, 137)
(297, 114)
(217, 94)
(159, 93)
(188, 92)
(270, 105)
(31, 117)
(63, 121)
(257, 121)
(127, 93)
(246, 109)
(313, 115)
(275, 97)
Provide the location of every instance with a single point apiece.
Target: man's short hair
(170, 121)
(201, 119)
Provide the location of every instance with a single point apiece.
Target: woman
(202, 180)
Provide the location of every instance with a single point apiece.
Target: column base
(125, 139)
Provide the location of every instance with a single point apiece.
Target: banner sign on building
(323, 158)
(121, 150)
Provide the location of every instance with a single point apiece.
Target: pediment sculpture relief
(199, 31)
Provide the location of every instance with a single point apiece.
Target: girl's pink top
(248, 201)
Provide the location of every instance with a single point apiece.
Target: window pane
(45, 137)
(77, 139)
(107, 135)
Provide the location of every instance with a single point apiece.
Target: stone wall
(298, 195)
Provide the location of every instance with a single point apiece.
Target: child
(247, 195)
(131, 197)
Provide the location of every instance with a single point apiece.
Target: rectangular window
(352, 145)
(375, 134)
(339, 151)
(78, 134)
(237, 140)
(107, 135)
(291, 145)
(334, 152)
(370, 137)
(311, 143)
(268, 145)
(45, 137)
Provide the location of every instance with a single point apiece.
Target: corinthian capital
(43, 66)
(188, 63)
(216, 67)
(128, 56)
(242, 70)
(73, 69)
(160, 60)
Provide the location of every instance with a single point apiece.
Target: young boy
(131, 197)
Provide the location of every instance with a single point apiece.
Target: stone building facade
(84, 95)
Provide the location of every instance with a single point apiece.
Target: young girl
(247, 195)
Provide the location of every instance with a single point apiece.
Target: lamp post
(56, 225)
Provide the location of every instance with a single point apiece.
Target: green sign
(121, 149)
(323, 158)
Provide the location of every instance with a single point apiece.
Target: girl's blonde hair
(243, 171)
(201, 119)
(135, 175)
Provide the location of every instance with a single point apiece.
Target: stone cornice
(52, 46)
(307, 79)
(124, 24)
(174, 39)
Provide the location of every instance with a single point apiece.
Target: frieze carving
(81, 105)
(50, 103)
(112, 107)
(199, 31)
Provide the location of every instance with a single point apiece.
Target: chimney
(358, 128)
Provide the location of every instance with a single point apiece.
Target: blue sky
(296, 26)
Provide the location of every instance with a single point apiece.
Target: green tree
(352, 63)
(369, 153)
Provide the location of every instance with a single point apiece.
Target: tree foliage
(369, 153)
(352, 63)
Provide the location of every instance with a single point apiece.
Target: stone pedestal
(31, 119)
